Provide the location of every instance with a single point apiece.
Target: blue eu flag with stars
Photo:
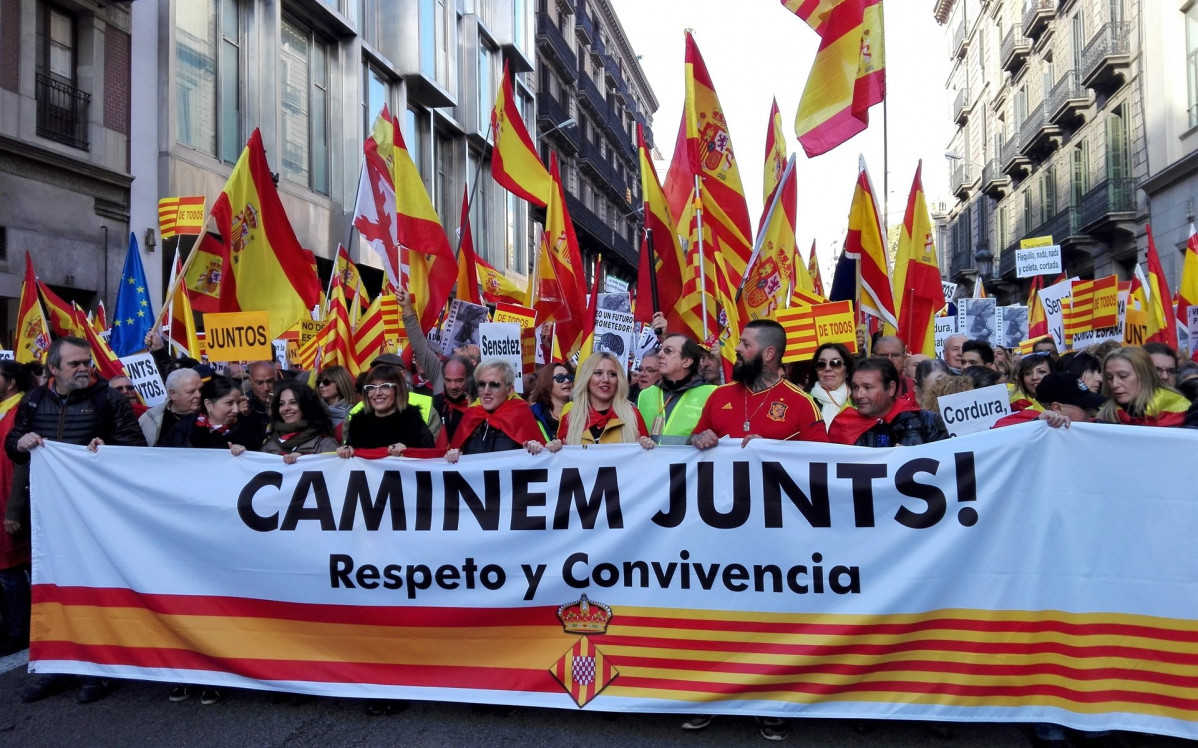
(133, 317)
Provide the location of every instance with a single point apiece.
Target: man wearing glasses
(76, 408)
(671, 408)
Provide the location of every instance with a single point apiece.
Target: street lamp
(563, 126)
(985, 261)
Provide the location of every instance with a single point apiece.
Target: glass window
(1192, 61)
(304, 77)
(1048, 193)
(1079, 181)
(486, 85)
(60, 45)
(376, 93)
(208, 77)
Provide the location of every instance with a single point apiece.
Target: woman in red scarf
(499, 420)
(602, 394)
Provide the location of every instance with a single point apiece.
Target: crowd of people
(434, 407)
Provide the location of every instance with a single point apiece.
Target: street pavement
(140, 714)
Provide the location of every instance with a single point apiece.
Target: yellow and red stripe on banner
(1086, 663)
(180, 215)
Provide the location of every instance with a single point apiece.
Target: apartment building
(1049, 101)
(65, 119)
(588, 74)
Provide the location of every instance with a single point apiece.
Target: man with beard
(456, 375)
(671, 407)
(759, 402)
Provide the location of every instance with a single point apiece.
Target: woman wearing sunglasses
(336, 389)
(831, 370)
(385, 425)
(550, 392)
(499, 420)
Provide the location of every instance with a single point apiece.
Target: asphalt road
(140, 714)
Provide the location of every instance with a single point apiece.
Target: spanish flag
(817, 278)
(467, 287)
(767, 284)
(1037, 321)
(250, 260)
(662, 248)
(917, 292)
(514, 161)
(557, 290)
(33, 336)
(106, 361)
(497, 288)
(182, 322)
(865, 243)
(1160, 302)
(849, 72)
(1187, 291)
(775, 154)
(62, 313)
(707, 153)
(432, 266)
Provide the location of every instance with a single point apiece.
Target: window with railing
(1192, 61)
(304, 99)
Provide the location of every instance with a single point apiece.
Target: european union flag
(132, 318)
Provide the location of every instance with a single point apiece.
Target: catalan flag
(848, 75)
(251, 260)
(180, 215)
(514, 161)
(336, 340)
(33, 335)
(801, 340)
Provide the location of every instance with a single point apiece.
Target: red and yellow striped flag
(917, 292)
(848, 75)
(583, 671)
(557, 290)
(180, 215)
(514, 161)
(336, 340)
(33, 335)
(801, 340)
(253, 261)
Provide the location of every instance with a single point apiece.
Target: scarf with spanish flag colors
(1167, 408)
(513, 418)
(848, 426)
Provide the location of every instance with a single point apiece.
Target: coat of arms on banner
(583, 670)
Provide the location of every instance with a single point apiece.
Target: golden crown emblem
(584, 616)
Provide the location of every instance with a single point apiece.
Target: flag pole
(653, 297)
(702, 270)
(885, 153)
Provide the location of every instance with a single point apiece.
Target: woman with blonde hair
(599, 411)
(1137, 396)
(949, 384)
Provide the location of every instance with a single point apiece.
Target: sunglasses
(491, 385)
(835, 363)
(563, 378)
(325, 382)
(126, 388)
(377, 387)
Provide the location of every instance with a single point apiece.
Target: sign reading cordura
(238, 336)
(787, 579)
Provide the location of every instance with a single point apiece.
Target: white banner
(992, 577)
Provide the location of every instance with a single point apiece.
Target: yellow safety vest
(685, 415)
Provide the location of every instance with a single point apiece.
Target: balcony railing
(1037, 14)
(583, 24)
(1014, 51)
(600, 232)
(1102, 202)
(62, 112)
(549, 38)
(550, 114)
(592, 160)
(958, 42)
(1067, 100)
(962, 106)
(1014, 163)
(1037, 135)
(1006, 260)
(962, 177)
(994, 182)
(1107, 57)
(591, 95)
(1064, 225)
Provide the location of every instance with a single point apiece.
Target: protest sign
(462, 325)
(1038, 261)
(975, 410)
(143, 372)
(614, 325)
(502, 340)
(1013, 324)
(945, 327)
(521, 315)
(801, 340)
(1052, 299)
(977, 319)
(835, 323)
(238, 336)
(728, 581)
(950, 291)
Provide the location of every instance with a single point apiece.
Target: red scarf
(203, 422)
(1171, 419)
(1019, 416)
(849, 424)
(514, 418)
(377, 453)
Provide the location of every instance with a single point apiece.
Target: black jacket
(908, 429)
(94, 411)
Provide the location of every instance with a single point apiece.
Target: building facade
(1049, 101)
(588, 73)
(65, 148)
